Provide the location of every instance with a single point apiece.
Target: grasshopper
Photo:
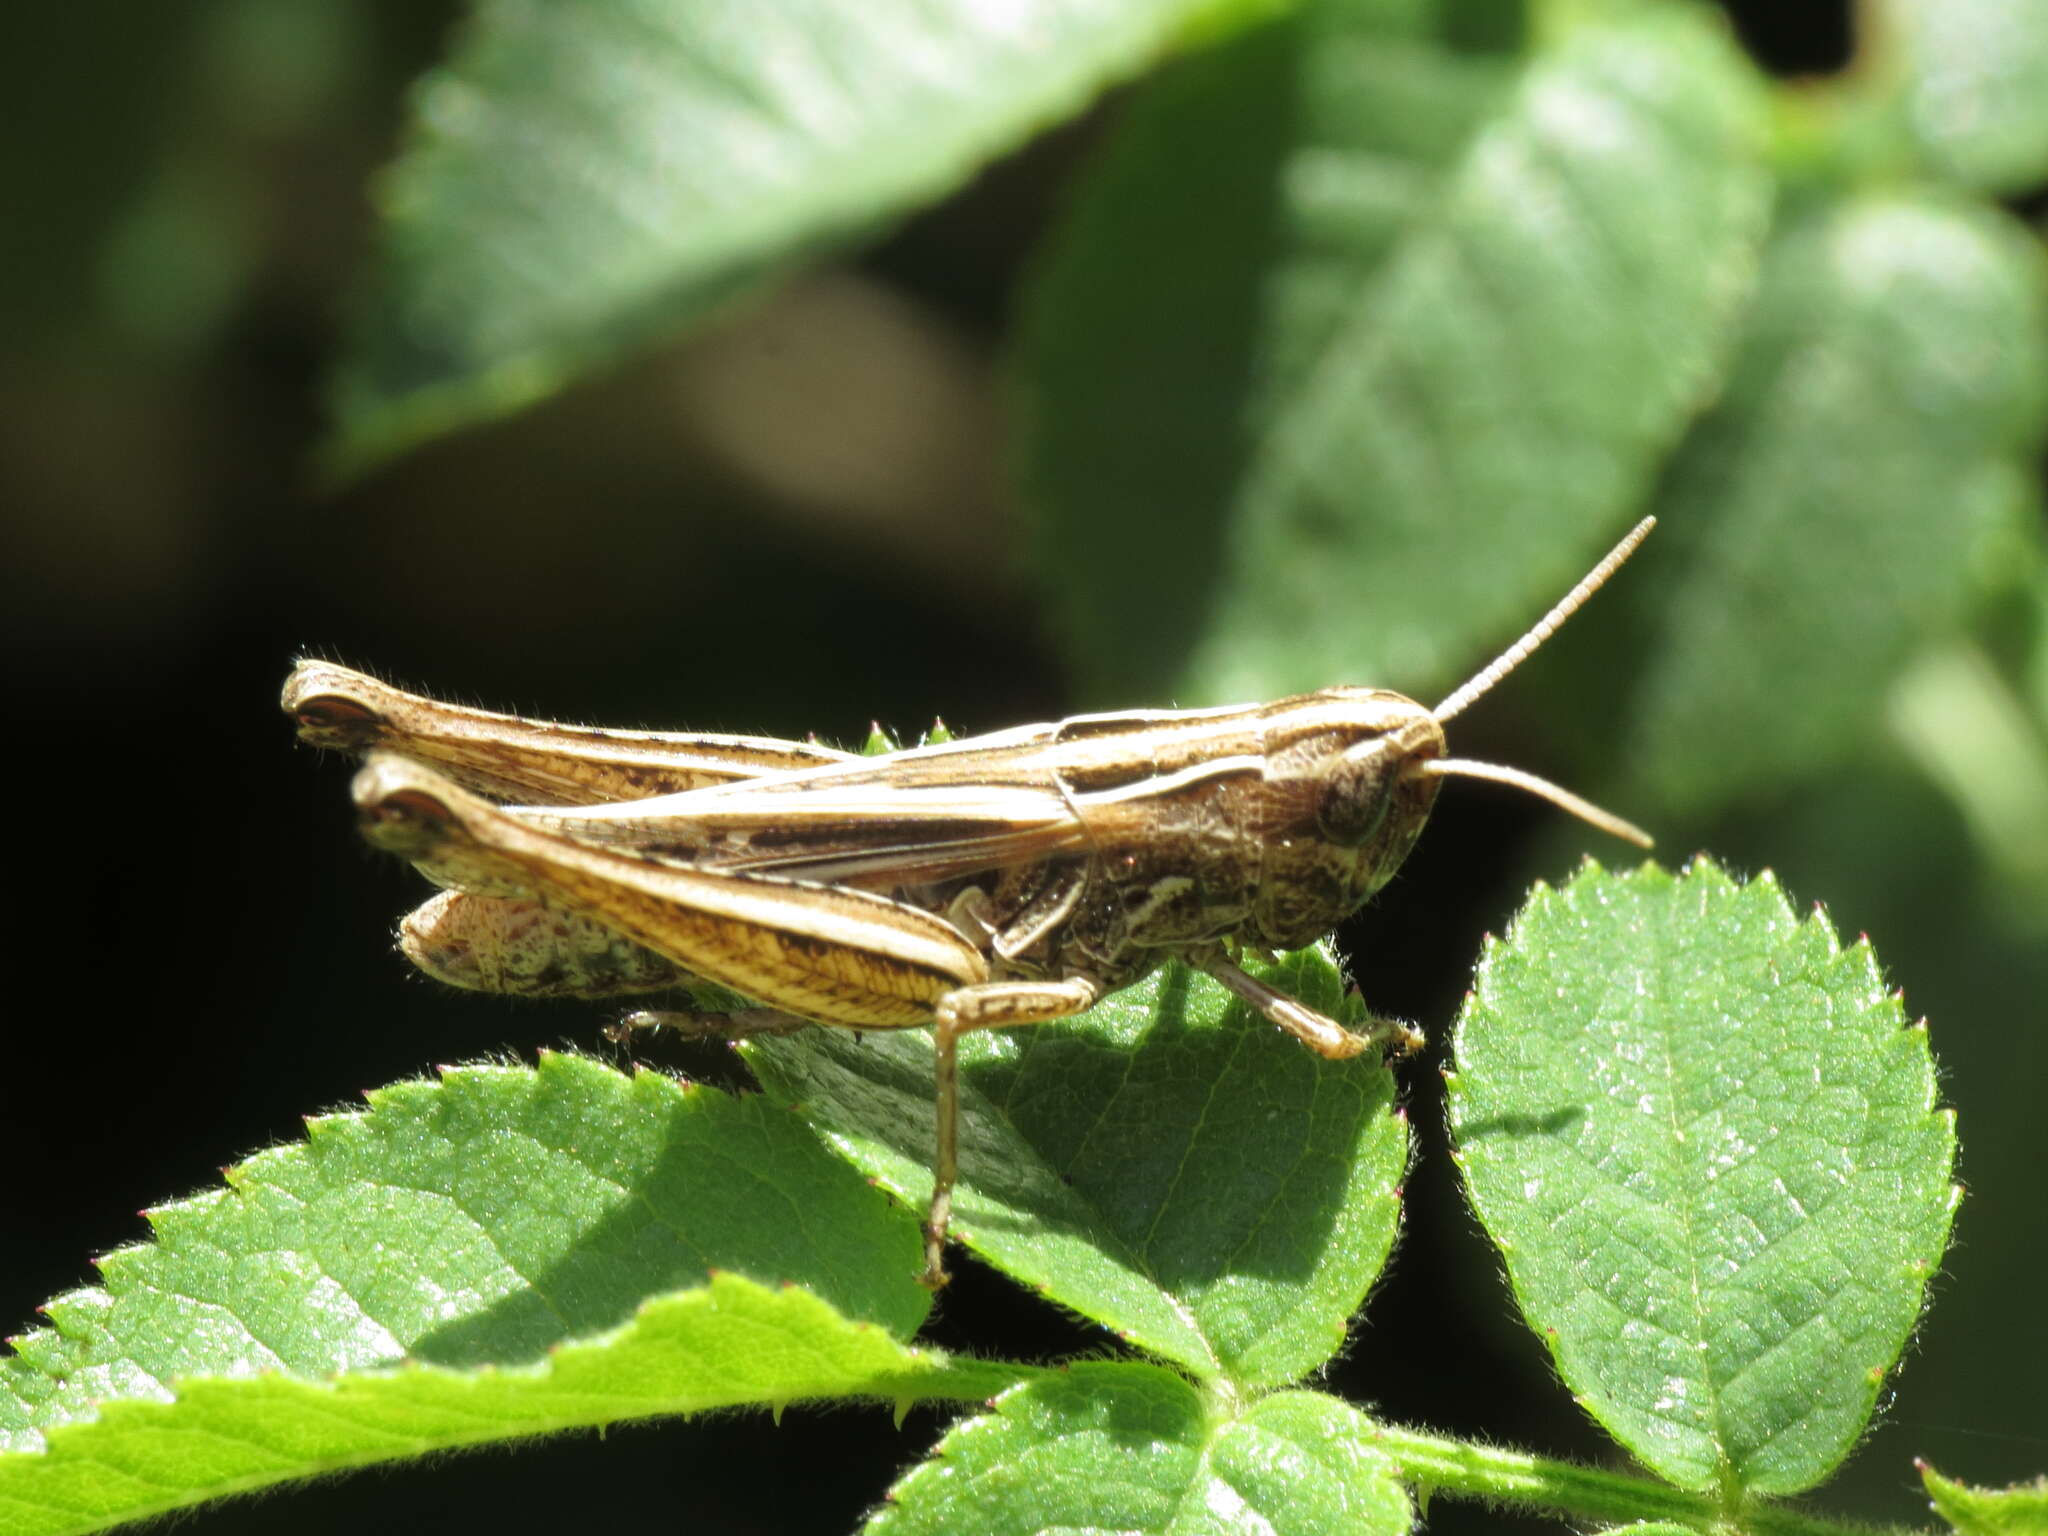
(982, 883)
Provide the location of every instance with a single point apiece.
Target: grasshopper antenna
(1544, 627)
(1463, 697)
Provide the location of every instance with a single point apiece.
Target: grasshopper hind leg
(519, 948)
(990, 1005)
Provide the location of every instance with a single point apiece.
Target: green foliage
(1974, 77)
(504, 1253)
(1210, 1193)
(1699, 1132)
(1876, 435)
(2018, 1511)
(583, 178)
(1135, 1448)
(1459, 303)
(1365, 326)
(1359, 337)
(1719, 1197)
(155, 1446)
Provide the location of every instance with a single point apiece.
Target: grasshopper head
(1341, 805)
(1373, 789)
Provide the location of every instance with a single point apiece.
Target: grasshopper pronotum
(998, 880)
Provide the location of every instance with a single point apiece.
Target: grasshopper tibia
(993, 1005)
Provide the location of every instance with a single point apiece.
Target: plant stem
(1438, 1464)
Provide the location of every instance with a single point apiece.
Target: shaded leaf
(1975, 78)
(1880, 425)
(1357, 348)
(583, 178)
(1706, 1143)
(481, 1220)
(1169, 1164)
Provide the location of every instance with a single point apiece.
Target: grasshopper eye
(1356, 797)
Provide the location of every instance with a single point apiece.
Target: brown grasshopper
(1006, 879)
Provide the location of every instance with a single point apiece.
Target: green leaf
(1880, 427)
(1169, 1164)
(1121, 1447)
(1707, 1145)
(1974, 74)
(583, 178)
(479, 1222)
(2021, 1510)
(730, 1343)
(1357, 349)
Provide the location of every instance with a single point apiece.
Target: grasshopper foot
(738, 1024)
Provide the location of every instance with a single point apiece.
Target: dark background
(759, 532)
